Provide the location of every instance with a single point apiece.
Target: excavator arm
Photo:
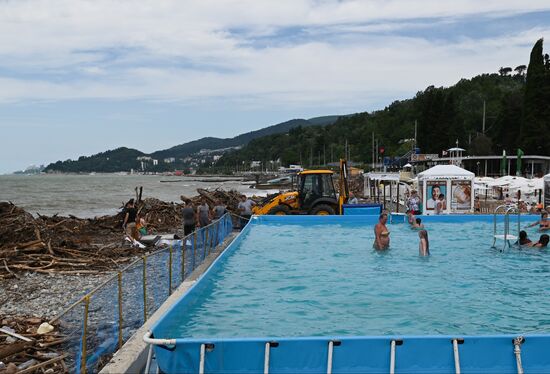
(343, 186)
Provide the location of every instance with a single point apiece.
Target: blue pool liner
(356, 354)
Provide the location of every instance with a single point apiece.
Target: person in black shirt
(129, 223)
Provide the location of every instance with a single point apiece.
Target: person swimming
(542, 243)
(417, 224)
(381, 233)
(543, 223)
(523, 239)
(424, 245)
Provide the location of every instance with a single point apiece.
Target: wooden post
(84, 352)
(120, 320)
(144, 288)
(194, 249)
(170, 270)
(183, 248)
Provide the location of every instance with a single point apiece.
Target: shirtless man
(381, 233)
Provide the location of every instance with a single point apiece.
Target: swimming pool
(316, 277)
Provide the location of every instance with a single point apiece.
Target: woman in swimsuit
(381, 233)
(543, 223)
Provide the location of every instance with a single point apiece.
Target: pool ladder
(507, 209)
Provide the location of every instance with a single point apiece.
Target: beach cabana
(454, 183)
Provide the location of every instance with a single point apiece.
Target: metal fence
(100, 322)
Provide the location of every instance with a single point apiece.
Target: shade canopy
(446, 172)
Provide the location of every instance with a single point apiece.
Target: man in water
(418, 224)
(381, 233)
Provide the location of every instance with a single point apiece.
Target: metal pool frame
(355, 354)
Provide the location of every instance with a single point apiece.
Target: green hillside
(124, 159)
(120, 159)
(517, 116)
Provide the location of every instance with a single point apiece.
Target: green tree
(535, 126)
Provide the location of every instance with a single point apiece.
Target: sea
(88, 196)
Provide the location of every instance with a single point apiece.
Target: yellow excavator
(315, 195)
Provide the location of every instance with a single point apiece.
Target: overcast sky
(79, 77)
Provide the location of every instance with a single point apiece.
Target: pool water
(288, 280)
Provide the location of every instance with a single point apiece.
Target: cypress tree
(535, 127)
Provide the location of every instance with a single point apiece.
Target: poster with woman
(461, 198)
(435, 191)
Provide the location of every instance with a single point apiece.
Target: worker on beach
(381, 233)
(189, 218)
(219, 210)
(245, 210)
(203, 212)
(129, 223)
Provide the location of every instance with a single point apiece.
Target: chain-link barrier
(98, 324)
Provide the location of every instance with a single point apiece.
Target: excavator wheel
(279, 210)
(322, 210)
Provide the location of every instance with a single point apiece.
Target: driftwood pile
(63, 245)
(23, 350)
(72, 245)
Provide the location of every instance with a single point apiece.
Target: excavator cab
(316, 192)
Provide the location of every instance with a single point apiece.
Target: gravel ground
(44, 295)
(47, 295)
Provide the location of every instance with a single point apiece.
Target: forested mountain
(517, 116)
(120, 159)
(125, 159)
(186, 149)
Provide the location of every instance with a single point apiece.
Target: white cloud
(185, 50)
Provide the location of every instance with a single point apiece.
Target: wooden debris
(35, 356)
(71, 245)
